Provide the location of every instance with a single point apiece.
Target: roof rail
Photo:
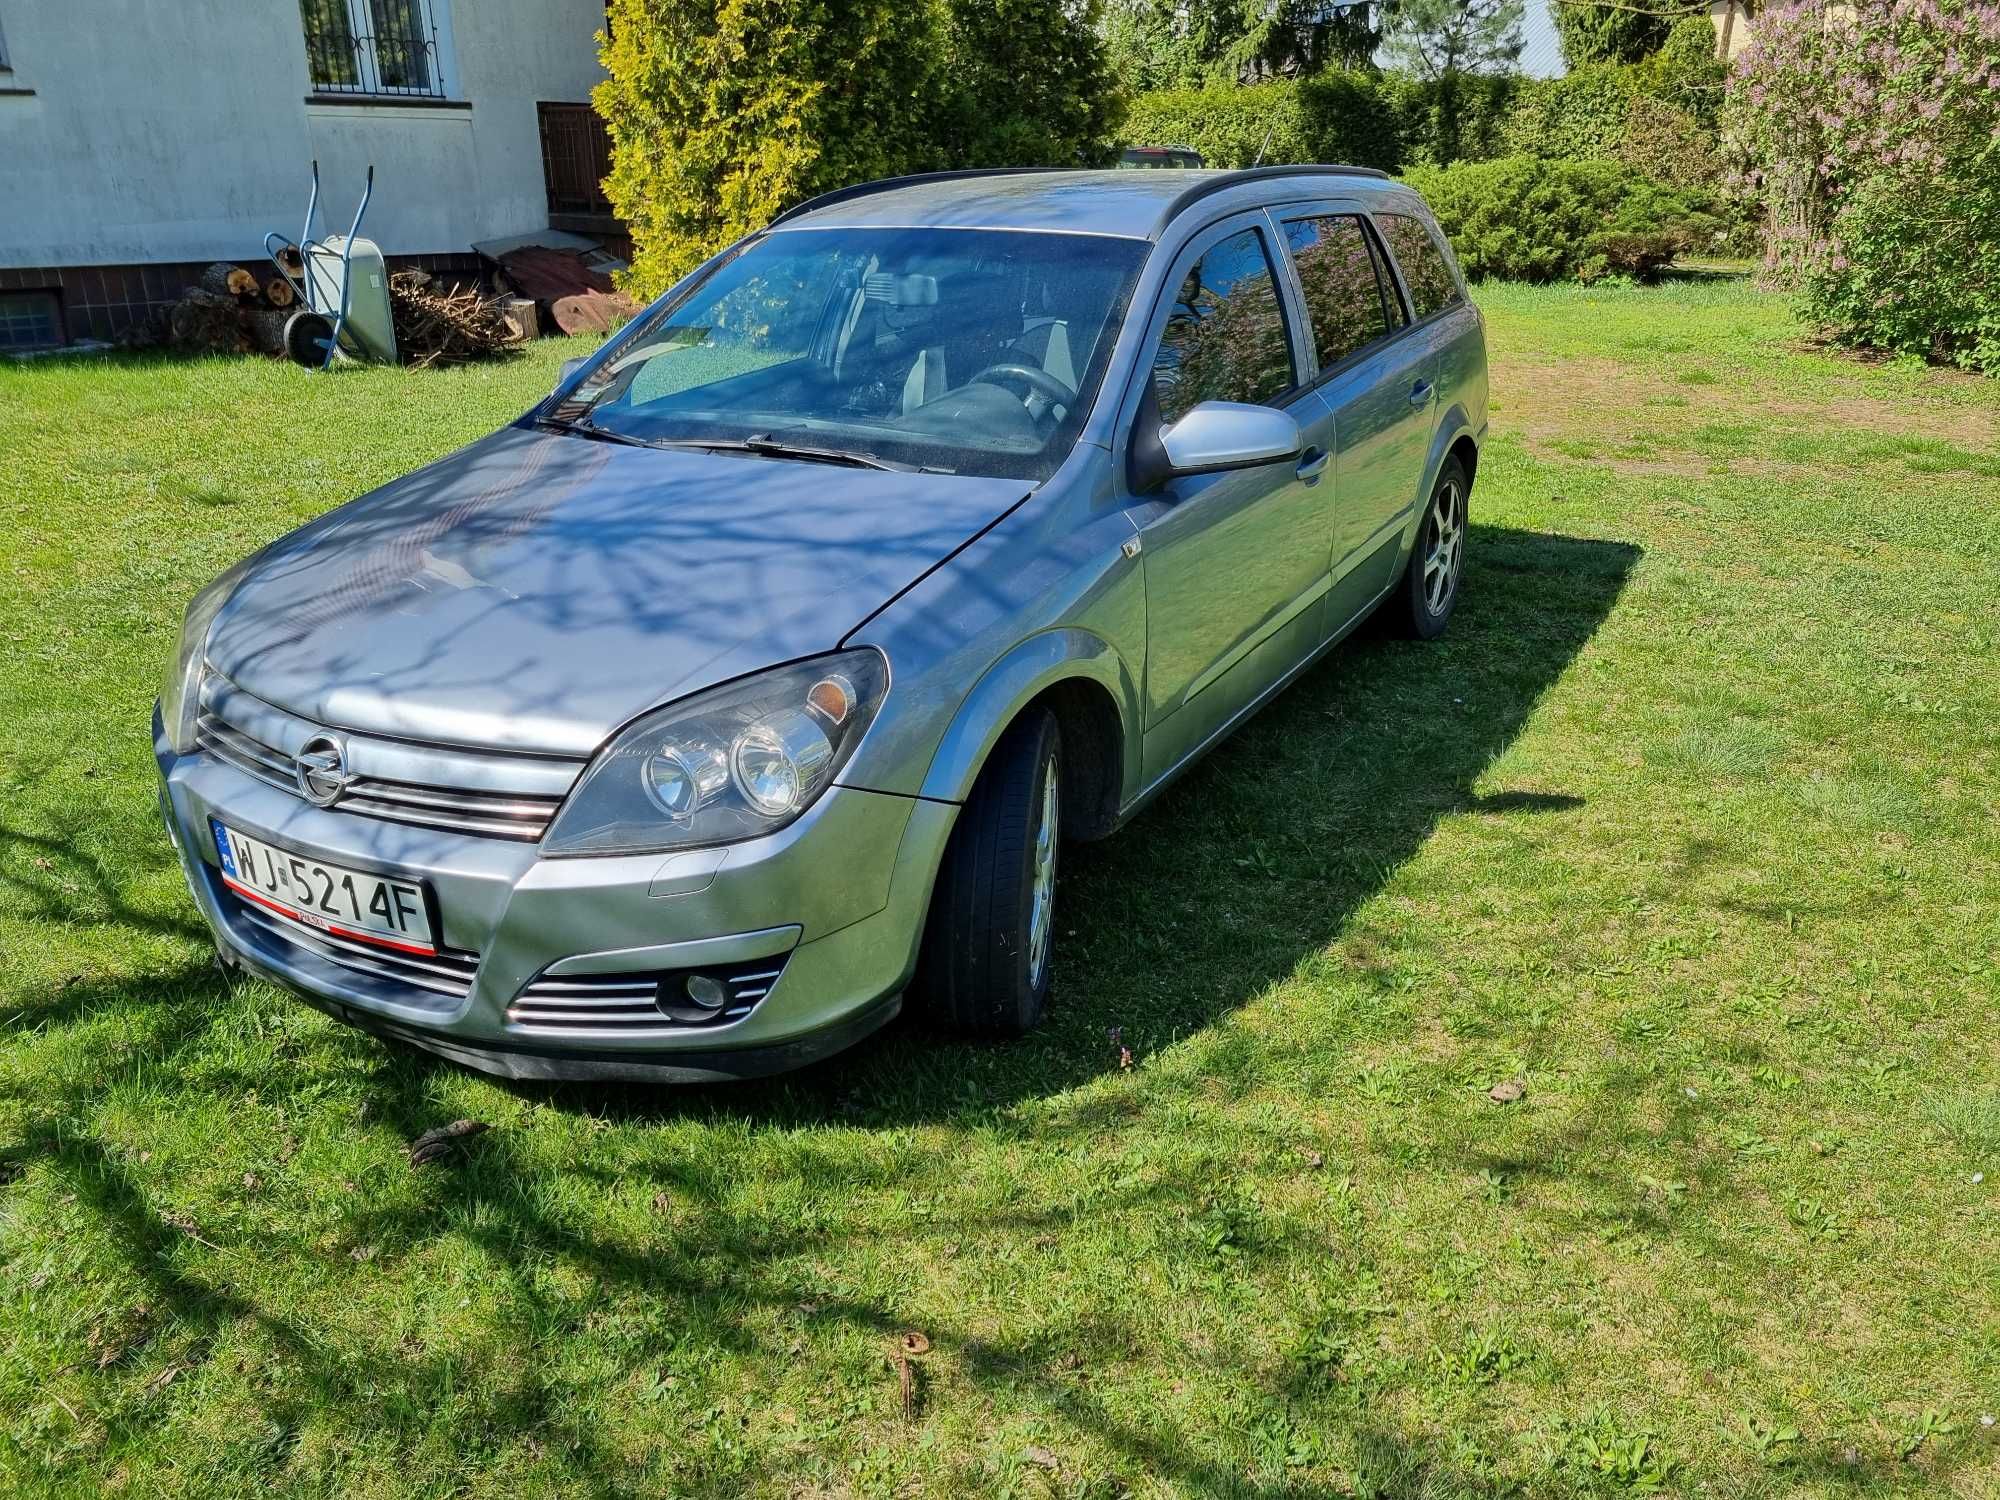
(886, 184)
(1223, 181)
(1214, 182)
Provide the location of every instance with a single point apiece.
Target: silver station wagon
(747, 688)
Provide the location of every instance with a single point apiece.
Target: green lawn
(1691, 825)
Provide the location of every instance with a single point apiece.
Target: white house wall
(136, 131)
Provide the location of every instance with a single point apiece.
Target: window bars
(377, 47)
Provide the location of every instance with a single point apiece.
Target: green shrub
(724, 113)
(1331, 117)
(1527, 219)
(1611, 34)
(1451, 119)
(1029, 86)
(1915, 268)
(1657, 117)
(1685, 72)
(1871, 134)
(1578, 117)
(1669, 145)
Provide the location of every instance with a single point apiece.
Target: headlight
(729, 764)
(180, 688)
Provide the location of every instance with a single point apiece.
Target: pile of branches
(438, 324)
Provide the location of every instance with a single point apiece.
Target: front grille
(507, 815)
(447, 972)
(631, 1002)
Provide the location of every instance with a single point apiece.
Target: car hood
(536, 590)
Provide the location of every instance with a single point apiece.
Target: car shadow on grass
(1248, 867)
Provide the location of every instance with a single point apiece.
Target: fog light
(694, 1001)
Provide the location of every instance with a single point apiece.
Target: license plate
(347, 903)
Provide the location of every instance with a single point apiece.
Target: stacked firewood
(234, 311)
(444, 324)
(231, 311)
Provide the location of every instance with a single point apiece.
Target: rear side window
(1424, 270)
(1344, 294)
(1225, 338)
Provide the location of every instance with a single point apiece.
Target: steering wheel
(1038, 380)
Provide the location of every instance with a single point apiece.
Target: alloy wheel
(1444, 555)
(1041, 911)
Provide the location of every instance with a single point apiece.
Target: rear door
(1376, 389)
(1437, 317)
(1235, 563)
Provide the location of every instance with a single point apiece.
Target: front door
(1235, 563)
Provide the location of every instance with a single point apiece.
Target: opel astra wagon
(748, 688)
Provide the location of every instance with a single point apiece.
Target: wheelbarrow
(342, 283)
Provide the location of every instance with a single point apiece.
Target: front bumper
(834, 903)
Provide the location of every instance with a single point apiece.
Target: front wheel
(1423, 604)
(985, 962)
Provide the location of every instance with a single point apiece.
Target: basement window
(30, 320)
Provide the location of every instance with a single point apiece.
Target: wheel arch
(1455, 438)
(1082, 679)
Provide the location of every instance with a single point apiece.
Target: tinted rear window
(1424, 270)
(1337, 274)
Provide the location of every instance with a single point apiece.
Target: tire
(1418, 608)
(307, 334)
(984, 965)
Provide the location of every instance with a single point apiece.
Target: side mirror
(569, 368)
(1211, 438)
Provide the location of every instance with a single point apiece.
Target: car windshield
(973, 351)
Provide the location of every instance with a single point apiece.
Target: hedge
(1343, 117)
(724, 113)
(1528, 219)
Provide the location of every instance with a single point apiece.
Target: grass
(1688, 828)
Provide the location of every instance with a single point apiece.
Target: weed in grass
(1480, 1360)
(1932, 1424)
(1628, 1458)
(1970, 1120)
(1818, 1221)
(1773, 1442)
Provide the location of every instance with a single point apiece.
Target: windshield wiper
(584, 427)
(761, 443)
(771, 447)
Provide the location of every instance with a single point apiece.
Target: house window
(398, 49)
(30, 320)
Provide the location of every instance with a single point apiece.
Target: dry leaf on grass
(434, 1144)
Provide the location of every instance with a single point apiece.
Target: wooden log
(522, 318)
(266, 328)
(240, 283)
(208, 322)
(216, 278)
(278, 292)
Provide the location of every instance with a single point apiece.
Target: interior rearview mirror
(1211, 438)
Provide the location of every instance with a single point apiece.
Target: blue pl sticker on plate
(223, 851)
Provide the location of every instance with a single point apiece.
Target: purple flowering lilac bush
(1872, 133)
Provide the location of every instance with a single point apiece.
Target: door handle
(1313, 462)
(1420, 393)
